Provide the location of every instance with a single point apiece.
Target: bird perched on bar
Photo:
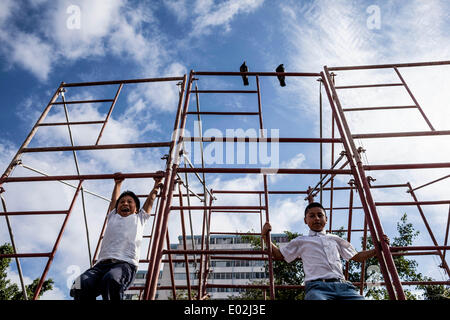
(244, 68)
(280, 68)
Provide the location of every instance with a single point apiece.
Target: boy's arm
(276, 253)
(147, 207)
(118, 179)
(367, 254)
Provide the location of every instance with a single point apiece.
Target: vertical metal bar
(382, 248)
(349, 227)
(153, 228)
(208, 258)
(188, 198)
(171, 172)
(155, 237)
(261, 126)
(109, 114)
(363, 264)
(332, 163)
(172, 278)
(58, 239)
(202, 279)
(266, 198)
(414, 99)
(321, 136)
(446, 230)
(271, 278)
(202, 259)
(183, 232)
(13, 244)
(430, 232)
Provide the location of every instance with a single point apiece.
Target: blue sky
(42, 45)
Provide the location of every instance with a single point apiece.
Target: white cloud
(29, 52)
(178, 7)
(210, 16)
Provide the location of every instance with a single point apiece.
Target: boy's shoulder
(338, 239)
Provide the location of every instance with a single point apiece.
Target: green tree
(406, 267)
(11, 291)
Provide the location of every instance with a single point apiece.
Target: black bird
(244, 68)
(280, 68)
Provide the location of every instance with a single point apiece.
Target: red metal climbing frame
(349, 163)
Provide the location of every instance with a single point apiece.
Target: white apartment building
(222, 271)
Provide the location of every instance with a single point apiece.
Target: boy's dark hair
(314, 205)
(131, 194)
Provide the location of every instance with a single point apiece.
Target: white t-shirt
(123, 237)
(320, 253)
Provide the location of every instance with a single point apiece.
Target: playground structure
(177, 196)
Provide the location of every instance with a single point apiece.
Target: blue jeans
(318, 290)
(108, 279)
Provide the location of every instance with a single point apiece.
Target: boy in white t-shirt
(118, 259)
(321, 255)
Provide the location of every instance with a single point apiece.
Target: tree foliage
(11, 291)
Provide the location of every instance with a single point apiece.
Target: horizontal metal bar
(236, 233)
(403, 185)
(266, 170)
(407, 166)
(258, 192)
(400, 134)
(286, 74)
(63, 182)
(69, 123)
(99, 147)
(379, 108)
(345, 230)
(263, 140)
(370, 86)
(23, 213)
(282, 286)
(101, 83)
(384, 66)
(215, 251)
(415, 253)
(219, 113)
(223, 91)
(83, 101)
(81, 177)
(412, 203)
(418, 248)
(238, 258)
(235, 211)
(26, 255)
(344, 208)
(217, 207)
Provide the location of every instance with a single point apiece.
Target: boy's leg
(86, 286)
(347, 291)
(319, 291)
(117, 280)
